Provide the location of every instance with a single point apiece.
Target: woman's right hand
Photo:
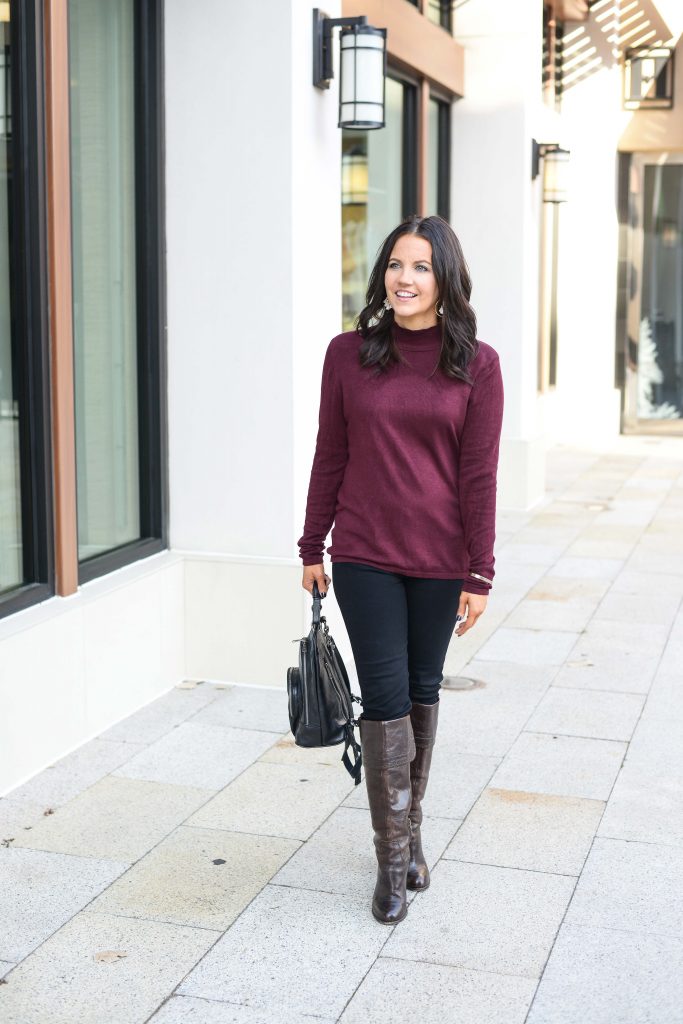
(315, 573)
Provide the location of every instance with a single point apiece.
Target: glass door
(654, 357)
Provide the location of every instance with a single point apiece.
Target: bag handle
(317, 602)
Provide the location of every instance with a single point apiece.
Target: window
(115, 175)
(26, 571)
(438, 159)
(441, 13)
(379, 188)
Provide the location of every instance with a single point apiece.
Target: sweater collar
(424, 337)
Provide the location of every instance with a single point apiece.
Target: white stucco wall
(495, 214)
(254, 270)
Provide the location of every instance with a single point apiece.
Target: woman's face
(410, 283)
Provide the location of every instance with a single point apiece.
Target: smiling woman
(410, 282)
(405, 467)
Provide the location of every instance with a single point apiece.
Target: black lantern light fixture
(555, 167)
(362, 70)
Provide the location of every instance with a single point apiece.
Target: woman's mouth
(405, 296)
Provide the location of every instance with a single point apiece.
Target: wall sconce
(362, 70)
(649, 78)
(555, 167)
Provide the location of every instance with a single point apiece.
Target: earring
(439, 311)
(387, 304)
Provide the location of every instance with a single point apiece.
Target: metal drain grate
(460, 683)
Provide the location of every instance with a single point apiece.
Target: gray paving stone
(198, 755)
(180, 882)
(287, 800)
(505, 680)
(629, 885)
(615, 656)
(340, 856)
(72, 774)
(638, 583)
(189, 1010)
(150, 722)
(528, 646)
(40, 891)
(248, 707)
(484, 723)
(587, 568)
(588, 547)
(656, 741)
(654, 609)
(596, 714)
(116, 818)
(286, 751)
(535, 831)
(645, 805)
(62, 981)
(537, 553)
(293, 950)
(436, 994)
(561, 765)
(570, 615)
(485, 918)
(672, 656)
(455, 781)
(608, 976)
(647, 558)
(18, 816)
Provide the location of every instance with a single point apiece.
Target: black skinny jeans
(399, 628)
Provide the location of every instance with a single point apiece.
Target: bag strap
(350, 741)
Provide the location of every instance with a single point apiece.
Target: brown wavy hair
(459, 343)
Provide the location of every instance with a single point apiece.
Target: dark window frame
(150, 296)
(30, 307)
(409, 144)
(443, 187)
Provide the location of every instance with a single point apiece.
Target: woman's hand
(470, 608)
(315, 572)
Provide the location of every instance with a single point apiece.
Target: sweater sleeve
(478, 469)
(329, 463)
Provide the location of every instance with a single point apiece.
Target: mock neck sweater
(405, 462)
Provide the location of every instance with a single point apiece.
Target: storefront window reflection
(102, 75)
(372, 198)
(11, 550)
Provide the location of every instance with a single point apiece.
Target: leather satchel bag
(319, 693)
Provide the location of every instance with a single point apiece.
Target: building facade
(183, 228)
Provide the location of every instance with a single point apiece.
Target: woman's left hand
(472, 606)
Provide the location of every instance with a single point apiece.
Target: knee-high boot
(388, 748)
(424, 718)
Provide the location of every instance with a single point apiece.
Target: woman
(405, 466)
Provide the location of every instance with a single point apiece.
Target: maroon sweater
(405, 466)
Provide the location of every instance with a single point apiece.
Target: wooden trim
(422, 146)
(60, 284)
(415, 42)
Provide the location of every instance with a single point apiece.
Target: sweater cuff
(311, 558)
(475, 586)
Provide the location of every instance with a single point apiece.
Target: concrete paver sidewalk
(190, 870)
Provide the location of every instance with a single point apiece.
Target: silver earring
(439, 311)
(387, 304)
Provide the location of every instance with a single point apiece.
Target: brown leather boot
(424, 718)
(388, 748)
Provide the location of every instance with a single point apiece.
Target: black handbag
(319, 693)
